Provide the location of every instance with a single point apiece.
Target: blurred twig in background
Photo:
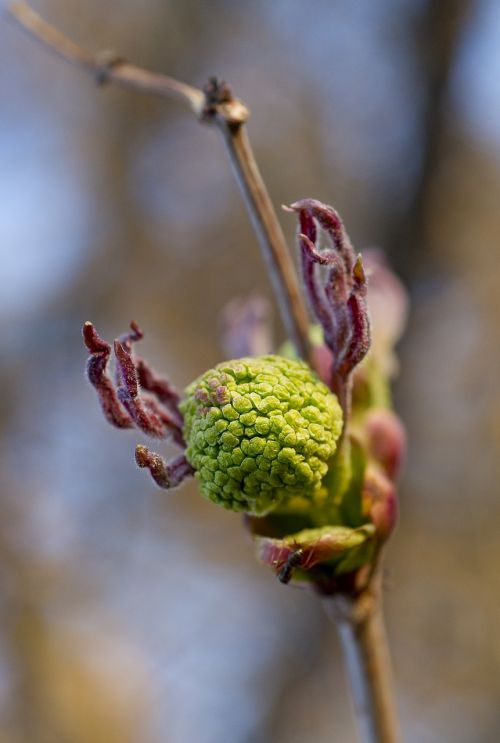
(437, 35)
(215, 104)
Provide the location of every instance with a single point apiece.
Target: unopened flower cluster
(260, 431)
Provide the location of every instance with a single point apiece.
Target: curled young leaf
(335, 283)
(309, 548)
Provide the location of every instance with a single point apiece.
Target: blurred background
(130, 614)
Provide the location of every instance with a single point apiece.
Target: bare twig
(105, 70)
(270, 234)
(229, 114)
(361, 630)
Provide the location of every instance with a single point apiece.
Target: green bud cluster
(259, 431)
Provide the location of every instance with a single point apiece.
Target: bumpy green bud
(259, 431)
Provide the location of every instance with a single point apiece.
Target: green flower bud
(259, 431)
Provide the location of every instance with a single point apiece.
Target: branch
(270, 236)
(105, 70)
(437, 42)
(214, 105)
(361, 629)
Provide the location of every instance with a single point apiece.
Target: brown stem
(360, 624)
(117, 71)
(229, 115)
(269, 233)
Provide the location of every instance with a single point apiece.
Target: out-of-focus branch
(214, 105)
(437, 43)
(105, 67)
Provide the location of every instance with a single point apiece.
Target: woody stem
(361, 629)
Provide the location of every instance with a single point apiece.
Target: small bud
(379, 501)
(246, 327)
(386, 440)
(388, 305)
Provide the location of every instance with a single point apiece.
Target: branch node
(220, 101)
(106, 61)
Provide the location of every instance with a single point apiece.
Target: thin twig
(360, 625)
(229, 114)
(269, 232)
(116, 71)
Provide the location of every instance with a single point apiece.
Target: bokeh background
(129, 614)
